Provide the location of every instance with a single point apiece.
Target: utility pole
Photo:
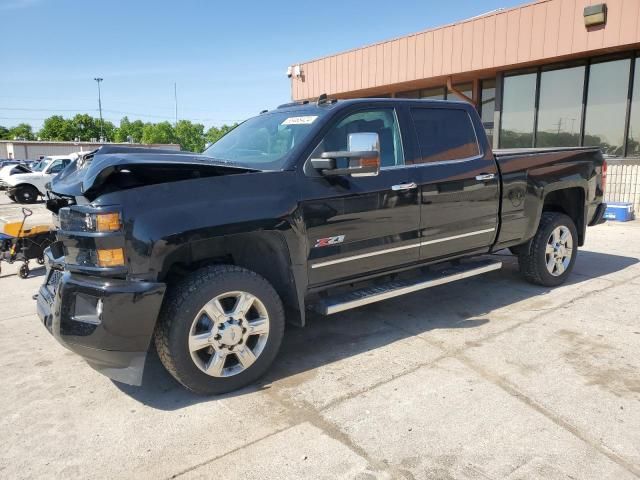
(98, 80)
(175, 97)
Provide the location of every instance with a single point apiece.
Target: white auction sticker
(308, 120)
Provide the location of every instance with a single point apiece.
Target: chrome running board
(367, 295)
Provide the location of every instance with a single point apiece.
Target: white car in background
(27, 187)
(12, 169)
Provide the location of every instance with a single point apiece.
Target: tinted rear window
(444, 134)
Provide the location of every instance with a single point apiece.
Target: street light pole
(175, 97)
(98, 80)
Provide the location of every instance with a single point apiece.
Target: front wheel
(26, 194)
(219, 329)
(553, 251)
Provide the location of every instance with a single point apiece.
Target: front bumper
(107, 321)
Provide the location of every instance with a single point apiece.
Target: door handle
(485, 176)
(404, 186)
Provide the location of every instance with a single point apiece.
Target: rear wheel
(553, 251)
(220, 329)
(26, 194)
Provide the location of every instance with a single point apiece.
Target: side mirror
(363, 156)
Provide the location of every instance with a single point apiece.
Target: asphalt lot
(486, 378)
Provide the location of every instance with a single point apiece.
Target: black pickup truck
(325, 205)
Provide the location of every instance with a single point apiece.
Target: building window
(466, 88)
(560, 107)
(607, 105)
(633, 141)
(411, 94)
(518, 105)
(438, 93)
(488, 106)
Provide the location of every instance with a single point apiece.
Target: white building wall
(34, 150)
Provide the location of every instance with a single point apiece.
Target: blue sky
(228, 58)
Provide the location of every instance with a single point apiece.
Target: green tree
(158, 133)
(4, 133)
(85, 128)
(190, 136)
(57, 128)
(215, 133)
(21, 131)
(128, 129)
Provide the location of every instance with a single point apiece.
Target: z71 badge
(325, 242)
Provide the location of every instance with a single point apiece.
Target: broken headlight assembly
(75, 220)
(91, 237)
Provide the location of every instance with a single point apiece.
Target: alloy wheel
(228, 334)
(559, 250)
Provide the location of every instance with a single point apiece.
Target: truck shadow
(326, 340)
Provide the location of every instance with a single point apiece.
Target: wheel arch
(571, 202)
(265, 253)
(15, 189)
(567, 199)
(26, 184)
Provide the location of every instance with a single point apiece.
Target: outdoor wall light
(294, 71)
(595, 15)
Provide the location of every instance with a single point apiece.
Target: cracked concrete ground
(487, 378)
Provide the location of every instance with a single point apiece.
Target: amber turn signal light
(111, 258)
(108, 222)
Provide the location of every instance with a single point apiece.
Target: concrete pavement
(485, 378)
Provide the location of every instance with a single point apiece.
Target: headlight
(103, 222)
(92, 237)
(73, 220)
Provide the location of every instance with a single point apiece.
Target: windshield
(38, 167)
(264, 142)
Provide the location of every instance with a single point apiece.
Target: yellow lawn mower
(24, 240)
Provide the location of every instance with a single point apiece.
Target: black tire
(24, 271)
(182, 303)
(533, 264)
(26, 194)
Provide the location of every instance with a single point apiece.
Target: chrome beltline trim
(462, 235)
(364, 255)
(397, 249)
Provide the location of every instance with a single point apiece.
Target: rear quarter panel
(528, 176)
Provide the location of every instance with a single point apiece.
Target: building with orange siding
(538, 74)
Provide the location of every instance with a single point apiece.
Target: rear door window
(444, 134)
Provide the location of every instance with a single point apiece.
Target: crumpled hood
(119, 167)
